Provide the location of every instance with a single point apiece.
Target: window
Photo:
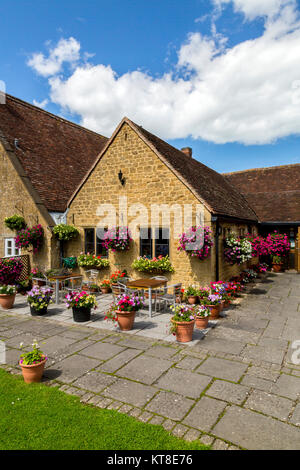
(150, 247)
(146, 242)
(162, 241)
(93, 243)
(10, 248)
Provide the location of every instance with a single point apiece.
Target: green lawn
(39, 417)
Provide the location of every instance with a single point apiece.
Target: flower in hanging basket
(30, 237)
(15, 222)
(92, 261)
(64, 232)
(117, 239)
(160, 264)
(200, 236)
(237, 250)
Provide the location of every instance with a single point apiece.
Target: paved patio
(236, 386)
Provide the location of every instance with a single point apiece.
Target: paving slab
(219, 344)
(264, 353)
(170, 405)
(184, 382)
(205, 414)
(287, 386)
(222, 369)
(112, 365)
(102, 350)
(269, 404)
(227, 391)
(163, 352)
(130, 392)
(72, 368)
(295, 419)
(145, 369)
(189, 363)
(254, 431)
(94, 381)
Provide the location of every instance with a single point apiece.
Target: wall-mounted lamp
(121, 178)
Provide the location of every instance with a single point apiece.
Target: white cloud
(41, 104)
(245, 93)
(67, 50)
(254, 8)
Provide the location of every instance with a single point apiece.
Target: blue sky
(220, 76)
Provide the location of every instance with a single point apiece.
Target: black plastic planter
(81, 314)
(39, 313)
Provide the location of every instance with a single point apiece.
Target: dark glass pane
(89, 240)
(162, 242)
(100, 250)
(146, 242)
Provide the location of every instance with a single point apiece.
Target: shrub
(10, 270)
(65, 232)
(15, 222)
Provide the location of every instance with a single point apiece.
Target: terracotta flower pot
(7, 300)
(201, 323)
(33, 373)
(105, 290)
(179, 299)
(214, 311)
(81, 314)
(222, 305)
(126, 320)
(184, 331)
(277, 268)
(227, 303)
(116, 289)
(192, 299)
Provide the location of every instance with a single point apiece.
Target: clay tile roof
(54, 153)
(216, 191)
(274, 193)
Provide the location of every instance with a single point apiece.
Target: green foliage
(7, 290)
(32, 357)
(92, 261)
(70, 262)
(15, 222)
(64, 232)
(160, 264)
(36, 417)
(190, 292)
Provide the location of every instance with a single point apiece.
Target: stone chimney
(187, 151)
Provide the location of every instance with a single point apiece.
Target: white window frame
(10, 249)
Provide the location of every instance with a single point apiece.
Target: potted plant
(202, 314)
(32, 364)
(182, 323)
(213, 302)
(24, 286)
(64, 232)
(105, 286)
(191, 295)
(81, 304)
(125, 309)
(277, 263)
(7, 296)
(115, 278)
(94, 288)
(39, 298)
(35, 272)
(237, 250)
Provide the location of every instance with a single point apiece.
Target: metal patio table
(147, 284)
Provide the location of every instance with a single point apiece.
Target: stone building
(274, 194)
(42, 159)
(143, 169)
